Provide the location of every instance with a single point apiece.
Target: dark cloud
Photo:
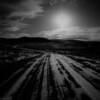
(15, 26)
(16, 35)
(13, 13)
(28, 9)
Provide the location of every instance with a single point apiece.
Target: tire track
(16, 86)
(89, 89)
(53, 77)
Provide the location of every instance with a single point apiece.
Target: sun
(62, 20)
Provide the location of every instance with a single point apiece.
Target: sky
(52, 19)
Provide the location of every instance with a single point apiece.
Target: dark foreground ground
(28, 73)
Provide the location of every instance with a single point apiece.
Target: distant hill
(23, 40)
(77, 47)
(62, 43)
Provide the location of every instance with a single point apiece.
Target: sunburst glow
(62, 20)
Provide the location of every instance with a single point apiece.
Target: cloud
(21, 8)
(15, 35)
(12, 14)
(91, 34)
(16, 26)
(79, 33)
(54, 2)
(28, 9)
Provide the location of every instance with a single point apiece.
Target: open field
(30, 74)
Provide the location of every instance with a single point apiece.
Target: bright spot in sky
(62, 20)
